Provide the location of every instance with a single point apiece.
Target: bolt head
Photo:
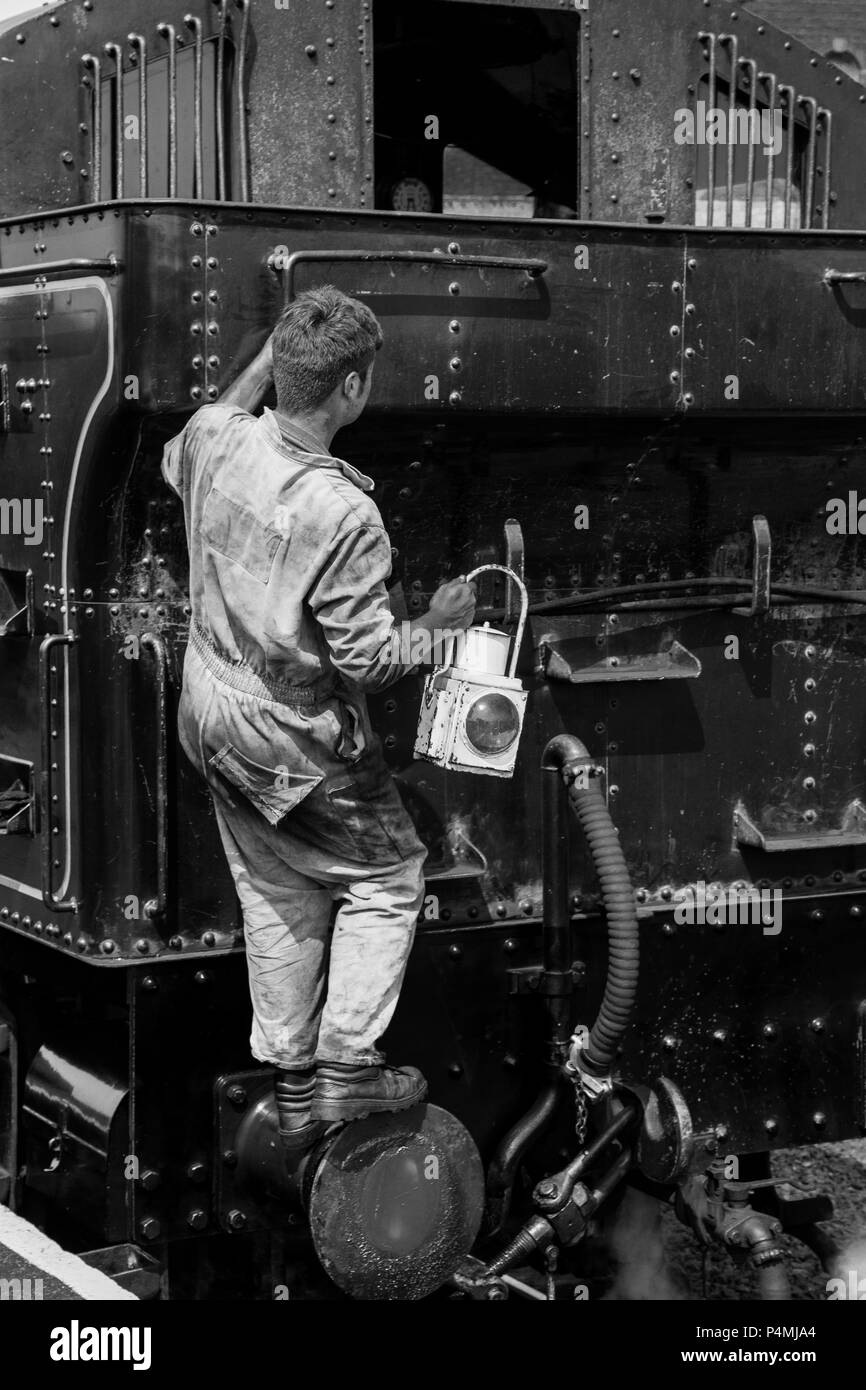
(236, 1220)
(237, 1095)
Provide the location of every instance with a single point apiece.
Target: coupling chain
(581, 1112)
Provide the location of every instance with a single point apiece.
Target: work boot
(294, 1095)
(351, 1091)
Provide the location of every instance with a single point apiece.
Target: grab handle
(155, 908)
(524, 609)
(46, 784)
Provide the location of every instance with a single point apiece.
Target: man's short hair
(322, 337)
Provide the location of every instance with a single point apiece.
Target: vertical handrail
(193, 23)
(752, 66)
(828, 164)
(138, 43)
(156, 908)
(790, 95)
(46, 792)
(92, 63)
(771, 80)
(811, 161)
(710, 40)
(734, 43)
(115, 52)
(243, 131)
(220, 111)
(168, 32)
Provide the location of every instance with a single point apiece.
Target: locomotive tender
(624, 357)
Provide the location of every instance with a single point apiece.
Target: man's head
(324, 346)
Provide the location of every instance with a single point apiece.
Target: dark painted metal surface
(676, 383)
(775, 731)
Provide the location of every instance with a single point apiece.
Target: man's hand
(453, 605)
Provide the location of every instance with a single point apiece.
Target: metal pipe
(47, 810)
(771, 80)
(194, 23)
(220, 112)
(508, 1156)
(812, 158)
(828, 165)
(791, 97)
(710, 40)
(734, 43)
(773, 1283)
(612, 1178)
(91, 62)
(587, 1156)
(105, 265)
(752, 67)
(556, 903)
(168, 32)
(243, 131)
(115, 52)
(155, 909)
(139, 43)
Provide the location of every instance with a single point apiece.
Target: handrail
(155, 908)
(54, 639)
(845, 277)
(107, 265)
(278, 261)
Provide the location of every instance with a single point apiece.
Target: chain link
(580, 1108)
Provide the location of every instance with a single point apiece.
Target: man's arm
(350, 602)
(249, 389)
(246, 392)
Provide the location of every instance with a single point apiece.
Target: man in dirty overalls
(290, 625)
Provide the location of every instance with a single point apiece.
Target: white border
(40, 1250)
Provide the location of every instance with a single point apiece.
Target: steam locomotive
(614, 250)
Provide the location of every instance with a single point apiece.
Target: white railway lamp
(472, 711)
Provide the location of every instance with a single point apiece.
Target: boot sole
(359, 1109)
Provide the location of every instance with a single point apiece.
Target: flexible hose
(773, 1283)
(620, 989)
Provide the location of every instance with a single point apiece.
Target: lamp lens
(492, 724)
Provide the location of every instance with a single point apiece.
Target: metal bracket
(532, 979)
(593, 1087)
(851, 832)
(760, 570)
(674, 662)
(844, 277)
(515, 550)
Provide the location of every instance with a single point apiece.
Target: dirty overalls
(290, 624)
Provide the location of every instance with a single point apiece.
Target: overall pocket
(274, 791)
(360, 814)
